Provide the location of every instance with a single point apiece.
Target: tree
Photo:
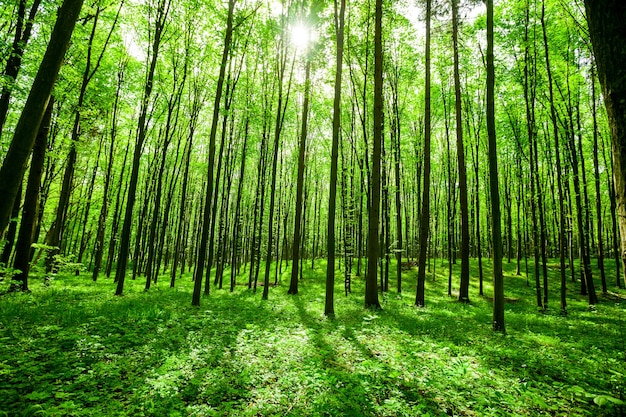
(608, 35)
(23, 30)
(496, 236)
(16, 158)
(206, 216)
(425, 215)
(329, 308)
(162, 11)
(293, 284)
(373, 250)
(31, 204)
(460, 149)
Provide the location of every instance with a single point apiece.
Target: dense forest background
(200, 136)
(462, 157)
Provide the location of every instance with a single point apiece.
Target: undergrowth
(72, 348)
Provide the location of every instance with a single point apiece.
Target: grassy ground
(74, 349)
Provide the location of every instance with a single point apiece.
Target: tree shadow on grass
(364, 384)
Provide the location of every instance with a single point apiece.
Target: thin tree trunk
(460, 149)
(557, 152)
(373, 251)
(425, 214)
(596, 176)
(206, 219)
(23, 30)
(293, 284)
(496, 237)
(122, 259)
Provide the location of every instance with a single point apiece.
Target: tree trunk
(31, 204)
(606, 28)
(297, 228)
(373, 251)
(496, 237)
(14, 63)
(99, 243)
(206, 216)
(460, 149)
(122, 259)
(557, 152)
(425, 214)
(16, 158)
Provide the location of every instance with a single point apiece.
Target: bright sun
(300, 36)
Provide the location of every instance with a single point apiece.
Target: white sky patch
(133, 49)
(302, 36)
(276, 8)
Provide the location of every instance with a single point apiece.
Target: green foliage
(74, 349)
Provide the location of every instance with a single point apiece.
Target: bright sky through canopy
(301, 36)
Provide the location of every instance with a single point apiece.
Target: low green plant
(75, 349)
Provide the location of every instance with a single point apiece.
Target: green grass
(74, 349)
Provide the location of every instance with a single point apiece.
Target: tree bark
(122, 259)
(31, 204)
(16, 158)
(297, 228)
(460, 149)
(373, 251)
(206, 216)
(496, 234)
(608, 35)
(23, 31)
(425, 214)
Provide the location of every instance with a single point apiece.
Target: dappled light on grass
(75, 349)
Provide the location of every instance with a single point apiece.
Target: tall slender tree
(31, 205)
(425, 214)
(208, 198)
(293, 284)
(329, 306)
(161, 14)
(496, 234)
(373, 250)
(460, 152)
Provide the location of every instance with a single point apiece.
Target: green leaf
(604, 399)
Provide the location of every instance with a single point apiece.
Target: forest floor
(72, 348)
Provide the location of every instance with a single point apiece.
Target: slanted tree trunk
(23, 30)
(5, 257)
(31, 205)
(16, 158)
(606, 28)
